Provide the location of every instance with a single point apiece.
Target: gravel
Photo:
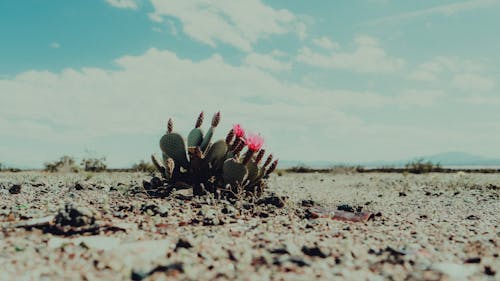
(103, 226)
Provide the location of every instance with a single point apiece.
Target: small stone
(154, 209)
(183, 244)
(15, 189)
(489, 271)
(75, 216)
(473, 260)
(82, 186)
(313, 252)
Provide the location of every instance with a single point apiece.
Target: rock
(489, 271)
(277, 201)
(82, 186)
(473, 260)
(210, 216)
(73, 215)
(183, 244)
(314, 252)
(307, 203)
(15, 189)
(154, 209)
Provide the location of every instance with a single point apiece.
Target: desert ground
(103, 226)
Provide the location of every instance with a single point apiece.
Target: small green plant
(216, 168)
(94, 164)
(64, 164)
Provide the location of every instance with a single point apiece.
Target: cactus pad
(207, 139)
(195, 137)
(174, 147)
(216, 152)
(253, 171)
(233, 172)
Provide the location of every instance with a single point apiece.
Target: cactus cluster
(220, 167)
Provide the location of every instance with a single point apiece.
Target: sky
(341, 81)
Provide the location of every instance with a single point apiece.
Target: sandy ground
(104, 227)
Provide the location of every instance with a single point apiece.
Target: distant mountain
(461, 159)
(444, 159)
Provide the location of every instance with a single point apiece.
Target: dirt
(103, 226)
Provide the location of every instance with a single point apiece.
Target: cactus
(195, 137)
(253, 171)
(216, 152)
(210, 132)
(213, 167)
(233, 172)
(172, 144)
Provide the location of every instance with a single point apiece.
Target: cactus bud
(216, 119)
(248, 156)
(170, 125)
(239, 147)
(259, 156)
(272, 167)
(199, 121)
(229, 137)
(268, 160)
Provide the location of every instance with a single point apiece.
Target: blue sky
(349, 81)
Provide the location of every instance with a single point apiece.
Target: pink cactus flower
(238, 131)
(254, 142)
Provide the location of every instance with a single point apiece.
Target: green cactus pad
(253, 171)
(195, 137)
(258, 178)
(207, 138)
(233, 172)
(216, 152)
(172, 144)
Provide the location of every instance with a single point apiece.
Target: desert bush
(64, 164)
(301, 168)
(94, 164)
(144, 166)
(420, 166)
(346, 169)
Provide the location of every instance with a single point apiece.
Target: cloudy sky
(347, 81)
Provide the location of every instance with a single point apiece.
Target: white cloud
(368, 57)
(55, 45)
(268, 62)
(76, 106)
(326, 43)
(473, 82)
(445, 10)
(237, 23)
(124, 4)
(465, 75)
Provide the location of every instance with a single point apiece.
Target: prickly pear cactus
(172, 145)
(234, 172)
(222, 168)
